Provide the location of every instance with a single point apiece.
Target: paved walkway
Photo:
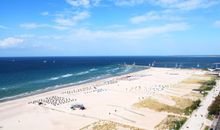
(198, 117)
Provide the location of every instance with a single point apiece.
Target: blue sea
(22, 76)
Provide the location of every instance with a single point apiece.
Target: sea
(23, 76)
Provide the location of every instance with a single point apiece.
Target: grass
(178, 124)
(205, 88)
(108, 125)
(105, 126)
(207, 128)
(183, 105)
(210, 82)
(195, 104)
(194, 95)
(182, 102)
(208, 85)
(157, 106)
(171, 123)
(193, 81)
(204, 80)
(204, 94)
(206, 69)
(210, 117)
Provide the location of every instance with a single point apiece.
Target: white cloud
(87, 38)
(83, 3)
(217, 23)
(77, 3)
(141, 33)
(59, 27)
(114, 26)
(45, 13)
(10, 42)
(129, 2)
(96, 2)
(153, 15)
(174, 4)
(3, 27)
(62, 22)
(185, 4)
(86, 35)
(35, 26)
(71, 21)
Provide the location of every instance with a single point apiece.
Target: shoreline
(111, 100)
(54, 88)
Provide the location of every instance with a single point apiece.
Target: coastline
(49, 89)
(109, 99)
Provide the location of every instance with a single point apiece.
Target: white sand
(107, 99)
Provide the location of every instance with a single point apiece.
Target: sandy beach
(113, 102)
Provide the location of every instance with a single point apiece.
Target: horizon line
(114, 56)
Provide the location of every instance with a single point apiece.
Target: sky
(109, 27)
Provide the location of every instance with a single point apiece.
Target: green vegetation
(211, 82)
(207, 128)
(210, 117)
(178, 124)
(157, 106)
(190, 109)
(108, 125)
(185, 106)
(214, 108)
(171, 122)
(182, 102)
(206, 69)
(207, 86)
(204, 93)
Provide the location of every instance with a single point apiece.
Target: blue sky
(109, 27)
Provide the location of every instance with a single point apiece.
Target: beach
(115, 101)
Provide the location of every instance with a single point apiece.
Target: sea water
(20, 76)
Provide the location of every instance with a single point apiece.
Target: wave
(66, 75)
(82, 73)
(3, 88)
(11, 88)
(86, 72)
(93, 69)
(103, 72)
(69, 75)
(60, 77)
(113, 69)
(122, 69)
(54, 78)
(44, 90)
(128, 69)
